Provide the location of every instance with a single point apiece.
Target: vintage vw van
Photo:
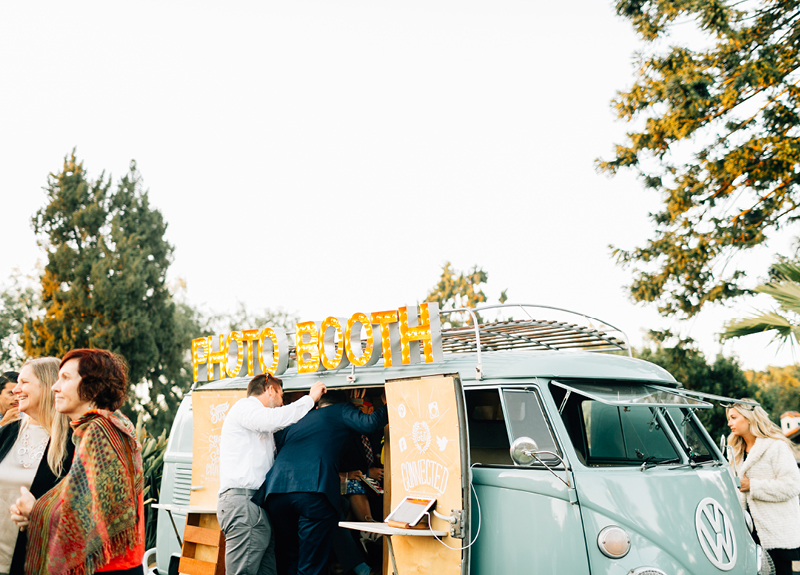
(548, 447)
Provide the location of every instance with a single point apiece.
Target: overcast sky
(330, 157)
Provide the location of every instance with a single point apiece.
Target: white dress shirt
(247, 448)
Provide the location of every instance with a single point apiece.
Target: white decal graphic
(433, 410)
(715, 532)
(218, 412)
(441, 442)
(403, 444)
(424, 472)
(212, 467)
(421, 435)
(401, 410)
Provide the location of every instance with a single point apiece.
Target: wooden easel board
(209, 409)
(425, 446)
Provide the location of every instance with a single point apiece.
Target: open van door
(428, 458)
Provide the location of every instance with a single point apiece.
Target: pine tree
(104, 285)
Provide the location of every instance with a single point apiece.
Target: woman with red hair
(93, 521)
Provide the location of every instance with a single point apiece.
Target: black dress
(43, 481)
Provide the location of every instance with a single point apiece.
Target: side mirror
(722, 444)
(522, 451)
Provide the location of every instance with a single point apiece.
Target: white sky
(329, 157)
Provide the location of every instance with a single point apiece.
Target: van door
(527, 520)
(427, 459)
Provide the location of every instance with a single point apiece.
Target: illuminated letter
(427, 330)
(197, 359)
(390, 338)
(279, 358)
(352, 341)
(249, 336)
(217, 357)
(234, 336)
(309, 347)
(332, 357)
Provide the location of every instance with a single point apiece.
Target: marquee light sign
(403, 335)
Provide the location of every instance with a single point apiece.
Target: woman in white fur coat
(770, 482)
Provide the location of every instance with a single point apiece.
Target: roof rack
(530, 333)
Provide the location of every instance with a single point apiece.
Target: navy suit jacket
(309, 451)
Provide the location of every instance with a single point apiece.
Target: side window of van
(488, 436)
(526, 419)
(489, 432)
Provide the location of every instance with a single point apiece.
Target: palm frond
(787, 271)
(784, 329)
(786, 293)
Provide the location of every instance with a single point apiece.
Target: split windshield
(628, 424)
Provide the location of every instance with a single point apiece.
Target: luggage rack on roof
(529, 334)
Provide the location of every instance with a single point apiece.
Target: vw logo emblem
(715, 532)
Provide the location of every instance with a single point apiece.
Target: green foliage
(784, 288)
(689, 366)
(104, 283)
(780, 387)
(153, 450)
(716, 135)
(18, 302)
(459, 289)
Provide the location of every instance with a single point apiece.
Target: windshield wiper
(650, 462)
(693, 464)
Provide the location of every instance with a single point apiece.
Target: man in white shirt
(247, 451)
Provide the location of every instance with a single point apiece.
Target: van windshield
(605, 434)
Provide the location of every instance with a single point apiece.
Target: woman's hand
(355, 474)
(745, 481)
(21, 510)
(376, 473)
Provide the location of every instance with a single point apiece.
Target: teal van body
(652, 471)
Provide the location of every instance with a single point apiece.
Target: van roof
(498, 365)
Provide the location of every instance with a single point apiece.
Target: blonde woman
(770, 482)
(34, 452)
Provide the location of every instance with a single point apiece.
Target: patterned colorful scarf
(93, 515)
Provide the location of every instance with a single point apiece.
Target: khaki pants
(249, 543)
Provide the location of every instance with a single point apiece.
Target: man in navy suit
(302, 488)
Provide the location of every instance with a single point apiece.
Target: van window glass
(526, 419)
(624, 435)
(692, 438)
(488, 436)
(605, 434)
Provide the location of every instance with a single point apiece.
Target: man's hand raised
(11, 415)
(317, 390)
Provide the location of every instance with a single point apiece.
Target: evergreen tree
(104, 283)
(715, 124)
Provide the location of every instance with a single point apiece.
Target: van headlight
(614, 542)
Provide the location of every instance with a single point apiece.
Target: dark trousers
(304, 526)
(782, 558)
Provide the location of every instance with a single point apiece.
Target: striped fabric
(93, 515)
